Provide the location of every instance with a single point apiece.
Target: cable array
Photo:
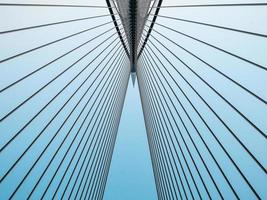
(198, 150)
(68, 154)
(202, 87)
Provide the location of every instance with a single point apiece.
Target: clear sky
(131, 174)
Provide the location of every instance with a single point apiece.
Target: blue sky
(131, 174)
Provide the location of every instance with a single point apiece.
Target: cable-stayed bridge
(201, 70)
